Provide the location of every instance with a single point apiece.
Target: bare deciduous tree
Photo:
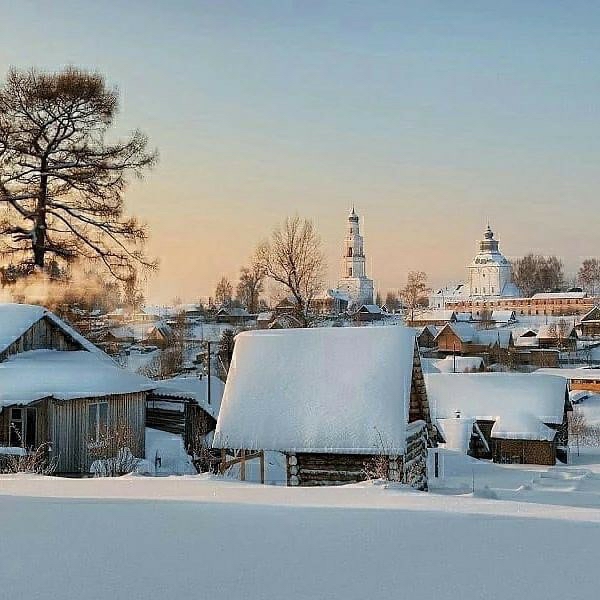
(223, 292)
(61, 182)
(560, 330)
(414, 293)
(589, 275)
(293, 258)
(250, 286)
(535, 273)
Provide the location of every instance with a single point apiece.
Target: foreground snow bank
(229, 540)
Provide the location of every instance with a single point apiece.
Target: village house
(368, 313)
(590, 323)
(561, 335)
(233, 315)
(357, 400)
(332, 302)
(578, 379)
(188, 406)
(437, 318)
(466, 340)
(58, 389)
(508, 417)
(426, 336)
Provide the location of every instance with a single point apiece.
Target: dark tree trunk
(39, 226)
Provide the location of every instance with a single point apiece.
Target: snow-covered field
(199, 537)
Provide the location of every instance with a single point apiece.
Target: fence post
(262, 466)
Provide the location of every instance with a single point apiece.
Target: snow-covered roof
(193, 388)
(462, 364)
(559, 295)
(265, 316)
(372, 309)
(319, 390)
(435, 315)
(490, 337)
(503, 316)
(37, 374)
(583, 374)
(456, 432)
(465, 332)
(233, 311)
(16, 319)
(522, 401)
(551, 331)
(522, 426)
(595, 312)
(123, 332)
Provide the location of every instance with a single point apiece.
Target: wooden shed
(57, 389)
(334, 401)
(520, 418)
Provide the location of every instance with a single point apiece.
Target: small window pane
(93, 421)
(103, 416)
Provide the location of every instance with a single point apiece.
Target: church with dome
(489, 275)
(490, 272)
(353, 277)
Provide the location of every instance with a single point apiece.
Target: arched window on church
(349, 271)
(349, 251)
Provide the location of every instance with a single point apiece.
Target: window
(22, 424)
(349, 271)
(97, 420)
(349, 251)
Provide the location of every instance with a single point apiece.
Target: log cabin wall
(68, 428)
(44, 334)
(419, 403)
(309, 469)
(536, 452)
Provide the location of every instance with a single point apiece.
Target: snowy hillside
(197, 537)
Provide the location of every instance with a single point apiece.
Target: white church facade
(353, 277)
(489, 275)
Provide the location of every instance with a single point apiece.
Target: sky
(430, 117)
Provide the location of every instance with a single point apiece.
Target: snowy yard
(199, 537)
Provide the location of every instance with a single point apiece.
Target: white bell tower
(353, 278)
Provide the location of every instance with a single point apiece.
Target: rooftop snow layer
(16, 319)
(30, 376)
(329, 389)
(194, 388)
(516, 398)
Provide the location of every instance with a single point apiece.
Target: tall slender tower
(353, 278)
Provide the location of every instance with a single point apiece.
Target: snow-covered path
(202, 538)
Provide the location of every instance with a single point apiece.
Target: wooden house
(233, 315)
(332, 302)
(358, 399)
(188, 406)
(519, 418)
(590, 323)
(58, 389)
(426, 336)
(438, 318)
(368, 313)
(561, 335)
(464, 339)
(578, 379)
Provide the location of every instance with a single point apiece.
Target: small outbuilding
(334, 401)
(520, 418)
(60, 391)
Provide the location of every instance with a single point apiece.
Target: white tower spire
(353, 276)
